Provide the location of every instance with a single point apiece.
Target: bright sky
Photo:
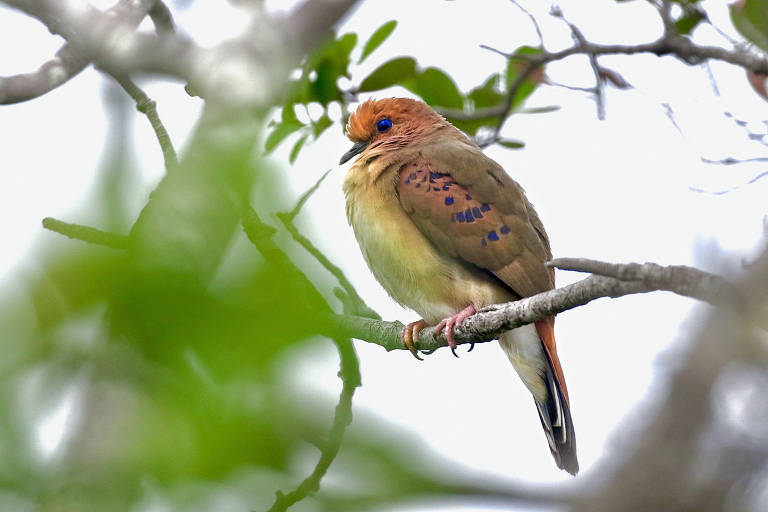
(617, 190)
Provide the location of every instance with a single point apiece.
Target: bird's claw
(447, 325)
(410, 335)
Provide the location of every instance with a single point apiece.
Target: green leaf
(378, 37)
(688, 21)
(297, 147)
(324, 88)
(288, 115)
(511, 144)
(388, 74)
(487, 95)
(438, 89)
(281, 131)
(751, 20)
(340, 51)
(515, 67)
(321, 125)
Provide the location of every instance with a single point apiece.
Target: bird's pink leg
(410, 335)
(448, 324)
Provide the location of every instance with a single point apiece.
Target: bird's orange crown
(407, 117)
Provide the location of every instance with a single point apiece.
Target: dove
(446, 231)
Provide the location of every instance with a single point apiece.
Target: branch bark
(69, 60)
(617, 280)
(247, 69)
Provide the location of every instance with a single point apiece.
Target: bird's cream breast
(404, 261)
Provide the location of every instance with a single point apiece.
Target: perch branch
(616, 280)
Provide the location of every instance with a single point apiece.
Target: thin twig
(728, 190)
(287, 219)
(734, 161)
(86, 233)
(260, 235)
(350, 375)
(533, 21)
(149, 108)
(495, 50)
(510, 99)
(305, 196)
(580, 40)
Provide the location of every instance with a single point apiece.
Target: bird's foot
(410, 336)
(448, 324)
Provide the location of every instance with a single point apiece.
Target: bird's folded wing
(466, 205)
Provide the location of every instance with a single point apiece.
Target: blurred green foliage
(750, 17)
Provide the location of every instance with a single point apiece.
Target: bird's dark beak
(356, 150)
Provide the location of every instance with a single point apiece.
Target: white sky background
(617, 190)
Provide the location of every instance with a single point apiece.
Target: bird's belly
(413, 272)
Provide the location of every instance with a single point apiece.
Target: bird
(446, 231)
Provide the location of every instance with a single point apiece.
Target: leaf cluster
(321, 73)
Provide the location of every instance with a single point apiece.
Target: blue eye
(384, 125)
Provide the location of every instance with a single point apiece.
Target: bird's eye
(384, 125)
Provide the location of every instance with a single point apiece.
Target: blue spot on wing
(504, 229)
(449, 200)
(469, 197)
(460, 216)
(492, 236)
(485, 207)
(468, 215)
(476, 213)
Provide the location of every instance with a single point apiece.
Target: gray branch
(246, 69)
(69, 60)
(610, 280)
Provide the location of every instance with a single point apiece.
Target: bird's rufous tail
(532, 351)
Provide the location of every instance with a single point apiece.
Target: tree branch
(68, 61)
(244, 69)
(579, 39)
(670, 43)
(617, 280)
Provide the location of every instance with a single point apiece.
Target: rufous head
(389, 124)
